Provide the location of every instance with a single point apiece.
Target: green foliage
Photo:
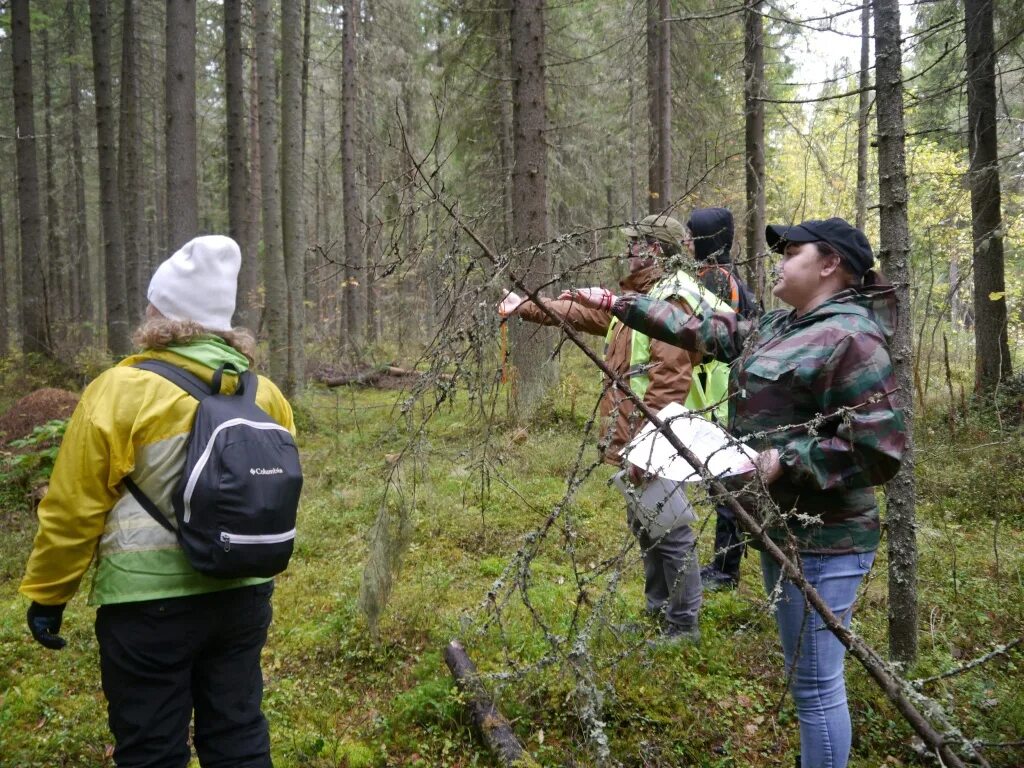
(31, 461)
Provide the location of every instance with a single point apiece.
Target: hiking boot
(676, 634)
(713, 580)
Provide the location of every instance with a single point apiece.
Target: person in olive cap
(814, 392)
(659, 374)
(172, 641)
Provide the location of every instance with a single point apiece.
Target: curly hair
(162, 332)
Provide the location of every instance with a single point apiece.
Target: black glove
(44, 624)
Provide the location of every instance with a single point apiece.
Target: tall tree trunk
(504, 97)
(130, 163)
(5, 327)
(863, 117)
(372, 175)
(530, 345)
(664, 105)
(238, 162)
(353, 295)
(56, 305)
(118, 340)
(33, 290)
(991, 347)
(274, 275)
(654, 203)
(895, 256)
(81, 295)
(253, 221)
(292, 203)
(753, 97)
(180, 98)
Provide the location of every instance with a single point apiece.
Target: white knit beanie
(199, 282)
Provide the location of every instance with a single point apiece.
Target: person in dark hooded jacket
(711, 232)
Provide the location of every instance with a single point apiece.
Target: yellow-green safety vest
(710, 384)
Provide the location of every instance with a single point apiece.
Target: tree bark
(863, 117)
(352, 295)
(895, 257)
(56, 304)
(754, 93)
(654, 204)
(292, 208)
(991, 347)
(530, 346)
(35, 338)
(238, 163)
(118, 340)
(493, 726)
(371, 217)
(130, 163)
(180, 98)
(274, 275)
(664, 105)
(5, 315)
(81, 293)
(504, 97)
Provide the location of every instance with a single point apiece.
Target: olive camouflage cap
(660, 226)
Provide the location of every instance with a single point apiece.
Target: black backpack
(236, 502)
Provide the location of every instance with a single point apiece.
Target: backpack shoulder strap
(147, 504)
(176, 375)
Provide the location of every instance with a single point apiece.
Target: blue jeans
(817, 683)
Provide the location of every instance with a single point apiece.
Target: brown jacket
(670, 375)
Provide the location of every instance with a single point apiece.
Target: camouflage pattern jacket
(820, 389)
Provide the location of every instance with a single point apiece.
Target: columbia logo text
(266, 471)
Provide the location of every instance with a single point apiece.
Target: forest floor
(463, 492)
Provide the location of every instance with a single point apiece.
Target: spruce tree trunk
(753, 96)
(180, 98)
(56, 303)
(238, 164)
(863, 117)
(372, 175)
(664, 106)
(253, 221)
(81, 295)
(292, 208)
(131, 176)
(530, 346)
(35, 338)
(654, 203)
(5, 327)
(353, 295)
(118, 341)
(895, 257)
(504, 96)
(991, 347)
(274, 276)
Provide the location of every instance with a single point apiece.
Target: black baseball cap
(849, 242)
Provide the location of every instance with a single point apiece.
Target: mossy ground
(337, 697)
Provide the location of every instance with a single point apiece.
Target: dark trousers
(160, 660)
(729, 545)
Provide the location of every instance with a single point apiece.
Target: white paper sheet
(651, 451)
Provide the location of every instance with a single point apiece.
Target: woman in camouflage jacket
(813, 390)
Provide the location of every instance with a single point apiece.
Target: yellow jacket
(134, 422)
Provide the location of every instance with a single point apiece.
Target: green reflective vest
(710, 384)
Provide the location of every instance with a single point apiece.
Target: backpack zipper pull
(226, 541)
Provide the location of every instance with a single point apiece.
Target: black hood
(712, 230)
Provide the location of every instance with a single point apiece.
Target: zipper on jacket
(227, 539)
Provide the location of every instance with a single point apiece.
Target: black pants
(162, 659)
(729, 545)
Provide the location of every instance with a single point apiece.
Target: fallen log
(362, 378)
(495, 729)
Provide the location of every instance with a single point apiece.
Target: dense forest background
(389, 169)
